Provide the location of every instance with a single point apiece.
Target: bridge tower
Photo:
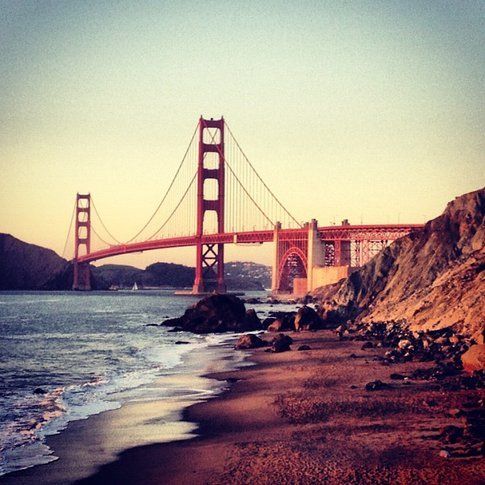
(82, 239)
(209, 268)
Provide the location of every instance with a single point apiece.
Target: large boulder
(276, 326)
(216, 314)
(307, 319)
(474, 358)
(249, 341)
(252, 319)
(281, 343)
(268, 321)
(284, 321)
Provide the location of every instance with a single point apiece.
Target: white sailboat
(135, 287)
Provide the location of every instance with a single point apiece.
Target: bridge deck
(330, 233)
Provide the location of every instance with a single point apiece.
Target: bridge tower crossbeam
(82, 240)
(209, 267)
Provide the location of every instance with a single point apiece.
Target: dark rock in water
(307, 319)
(249, 341)
(253, 301)
(171, 322)
(39, 390)
(181, 342)
(304, 347)
(252, 319)
(397, 377)
(275, 326)
(152, 325)
(376, 386)
(367, 345)
(216, 314)
(283, 321)
(268, 321)
(231, 380)
(281, 343)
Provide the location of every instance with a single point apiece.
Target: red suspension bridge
(217, 197)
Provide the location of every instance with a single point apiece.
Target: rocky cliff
(429, 279)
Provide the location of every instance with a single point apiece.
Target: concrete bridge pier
(82, 277)
(316, 255)
(300, 265)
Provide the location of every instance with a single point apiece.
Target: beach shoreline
(305, 417)
(86, 444)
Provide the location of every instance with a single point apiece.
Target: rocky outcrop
(427, 280)
(216, 314)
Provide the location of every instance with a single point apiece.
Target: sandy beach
(295, 417)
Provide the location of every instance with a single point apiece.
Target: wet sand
(295, 417)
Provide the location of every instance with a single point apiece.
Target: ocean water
(66, 356)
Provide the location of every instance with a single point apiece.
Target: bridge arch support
(297, 253)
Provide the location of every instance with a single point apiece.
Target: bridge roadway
(387, 232)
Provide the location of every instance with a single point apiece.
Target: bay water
(65, 356)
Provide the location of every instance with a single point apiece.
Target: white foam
(25, 446)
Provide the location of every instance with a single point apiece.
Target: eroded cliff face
(429, 279)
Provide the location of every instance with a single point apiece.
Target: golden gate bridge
(216, 197)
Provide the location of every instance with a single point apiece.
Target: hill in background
(239, 275)
(25, 266)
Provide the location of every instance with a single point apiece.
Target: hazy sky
(370, 111)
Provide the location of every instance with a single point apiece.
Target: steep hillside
(429, 279)
(26, 266)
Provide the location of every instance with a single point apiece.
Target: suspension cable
(168, 190)
(175, 209)
(102, 223)
(259, 177)
(100, 238)
(237, 179)
(69, 230)
(248, 194)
